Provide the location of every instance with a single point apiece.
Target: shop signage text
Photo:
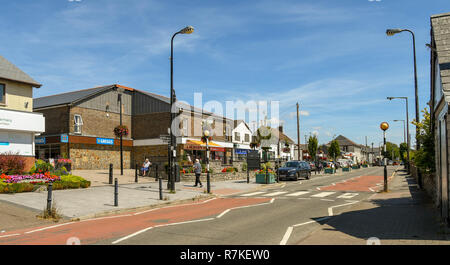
(106, 141)
(40, 140)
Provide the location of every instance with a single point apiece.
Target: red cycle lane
(97, 230)
(361, 183)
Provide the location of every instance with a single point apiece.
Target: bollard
(49, 198)
(136, 174)
(160, 183)
(267, 179)
(116, 192)
(110, 173)
(248, 175)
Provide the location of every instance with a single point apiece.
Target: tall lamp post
(384, 126)
(404, 130)
(391, 32)
(408, 140)
(119, 99)
(205, 138)
(173, 143)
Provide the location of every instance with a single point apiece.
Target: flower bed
(27, 183)
(229, 170)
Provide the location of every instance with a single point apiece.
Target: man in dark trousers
(198, 172)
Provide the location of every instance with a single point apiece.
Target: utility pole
(298, 135)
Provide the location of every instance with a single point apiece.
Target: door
(443, 169)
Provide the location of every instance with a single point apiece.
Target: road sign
(253, 160)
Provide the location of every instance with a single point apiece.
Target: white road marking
(253, 193)
(48, 227)
(223, 213)
(151, 227)
(286, 235)
(323, 194)
(330, 209)
(347, 195)
(9, 235)
(298, 193)
(195, 203)
(291, 228)
(275, 193)
(328, 200)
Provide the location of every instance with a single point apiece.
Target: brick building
(80, 124)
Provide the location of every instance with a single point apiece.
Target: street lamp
(206, 139)
(173, 143)
(384, 126)
(408, 140)
(119, 99)
(404, 130)
(391, 32)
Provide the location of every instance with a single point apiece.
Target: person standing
(198, 172)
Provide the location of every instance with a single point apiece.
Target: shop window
(2, 94)
(78, 123)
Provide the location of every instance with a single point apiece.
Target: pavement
(402, 216)
(99, 200)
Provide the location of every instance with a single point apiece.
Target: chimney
(280, 128)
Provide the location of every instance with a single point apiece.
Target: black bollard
(160, 183)
(49, 198)
(110, 173)
(248, 175)
(136, 174)
(116, 192)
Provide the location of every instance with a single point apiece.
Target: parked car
(295, 170)
(312, 165)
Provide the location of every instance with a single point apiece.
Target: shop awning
(199, 145)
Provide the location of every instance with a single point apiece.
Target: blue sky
(331, 56)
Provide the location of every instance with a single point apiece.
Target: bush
(41, 166)
(11, 163)
(244, 167)
(66, 182)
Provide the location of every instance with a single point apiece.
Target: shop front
(85, 152)
(195, 149)
(17, 131)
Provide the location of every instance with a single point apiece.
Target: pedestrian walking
(198, 172)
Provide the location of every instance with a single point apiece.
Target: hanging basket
(121, 130)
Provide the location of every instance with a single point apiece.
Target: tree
(424, 157)
(392, 151)
(313, 144)
(334, 150)
(403, 152)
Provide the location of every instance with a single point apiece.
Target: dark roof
(440, 25)
(11, 72)
(67, 98)
(344, 141)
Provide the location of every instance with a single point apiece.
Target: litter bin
(177, 173)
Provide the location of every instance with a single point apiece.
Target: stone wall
(428, 182)
(86, 156)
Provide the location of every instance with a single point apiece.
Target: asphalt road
(294, 211)
(284, 214)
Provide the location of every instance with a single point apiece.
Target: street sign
(253, 160)
(165, 138)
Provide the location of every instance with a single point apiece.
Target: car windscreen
(291, 164)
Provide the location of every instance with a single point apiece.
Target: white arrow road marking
(323, 194)
(253, 193)
(298, 193)
(347, 195)
(275, 193)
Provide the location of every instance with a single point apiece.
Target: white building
(18, 123)
(241, 138)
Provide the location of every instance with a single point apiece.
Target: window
(437, 84)
(247, 137)
(237, 136)
(78, 123)
(185, 127)
(2, 94)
